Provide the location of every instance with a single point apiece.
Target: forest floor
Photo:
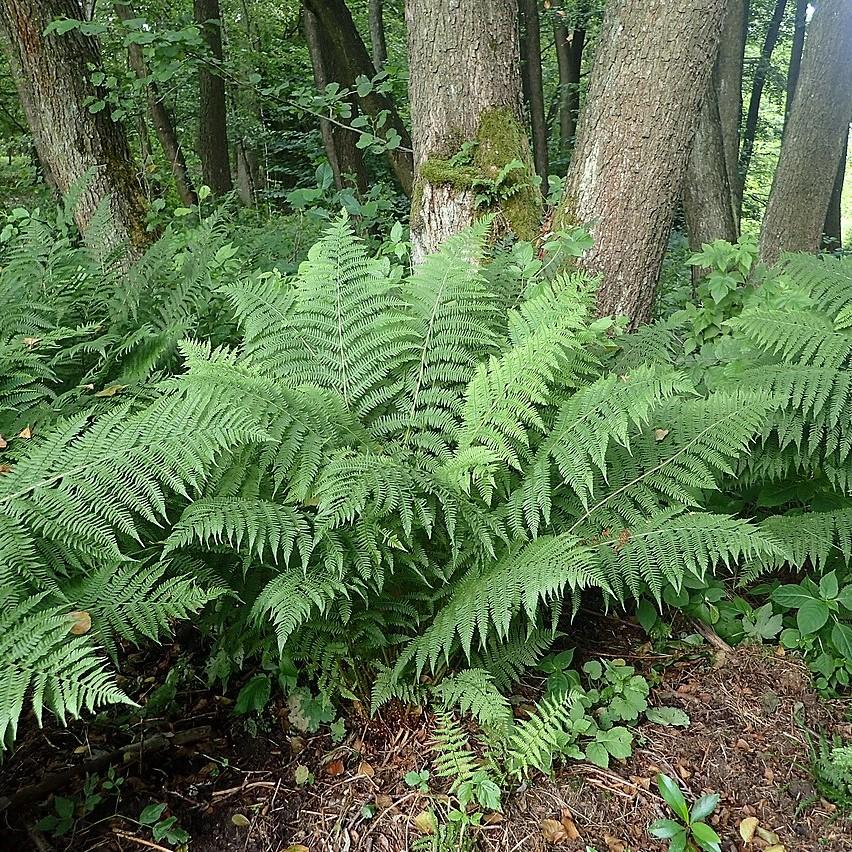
(749, 708)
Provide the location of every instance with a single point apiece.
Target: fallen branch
(139, 840)
(158, 742)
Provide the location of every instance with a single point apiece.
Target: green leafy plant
(688, 831)
(163, 828)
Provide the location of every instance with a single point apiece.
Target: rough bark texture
(634, 140)
(76, 146)
(796, 49)
(345, 159)
(212, 113)
(164, 124)
(377, 34)
(832, 238)
(707, 190)
(534, 88)
(569, 58)
(354, 60)
(812, 144)
(728, 80)
(474, 98)
(760, 73)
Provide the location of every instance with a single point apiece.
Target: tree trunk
(533, 88)
(811, 147)
(728, 79)
(634, 141)
(796, 54)
(466, 120)
(377, 34)
(707, 190)
(212, 115)
(760, 73)
(345, 159)
(78, 148)
(164, 124)
(832, 237)
(708, 202)
(353, 61)
(569, 58)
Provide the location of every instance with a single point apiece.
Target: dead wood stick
(158, 742)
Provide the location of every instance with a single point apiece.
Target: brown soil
(746, 741)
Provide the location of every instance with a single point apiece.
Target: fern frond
(59, 671)
(474, 691)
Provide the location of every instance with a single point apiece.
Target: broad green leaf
(704, 806)
(665, 828)
(707, 839)
(828, 586)
(791, 596)
(812, 616)
(667, 716)
(670, 791)
(841, 638)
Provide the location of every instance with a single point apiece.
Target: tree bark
(569, 58)
(634, 141)
(377, 34)
(760, 73)
(466, 119)
(213, 146)
(354, 60)
(796, 54)
(728, 80)
(811, 147)
(534, 88)
(79, 149)
(345, 159)
(164, 124)
(707, 189)
(832, 237)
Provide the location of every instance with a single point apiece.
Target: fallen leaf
(5, 468)
(31, 341)
(334, 768)
(659, 434)
(3, 443)
(240, 821)
(493, 819)
(769, 836)
(384, 802)
(553, 831)
(297, 847)
(776, 847)
(570, 826)
(364, 768)
(747, 828)
(26, 433)
(112, 390)
(425, 822)
(82, 622)
(613, 844)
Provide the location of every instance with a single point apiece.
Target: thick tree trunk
(465, 89)
(634, 141)
(533, 87)
(164, 124)
(569, 58)
(728, 80)
(760, 74)
(796, 54)
(832, 238)
(708, 202)
(707, 190)
(345, 159)
(377, 34)
(77, 147)
(212, 115)
(353, 61)
(812, 145)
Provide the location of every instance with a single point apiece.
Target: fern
(473, 691)
(533, 743)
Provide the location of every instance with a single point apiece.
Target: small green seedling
(689, 832)
(418, 780)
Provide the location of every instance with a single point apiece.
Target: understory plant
(369, 481)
